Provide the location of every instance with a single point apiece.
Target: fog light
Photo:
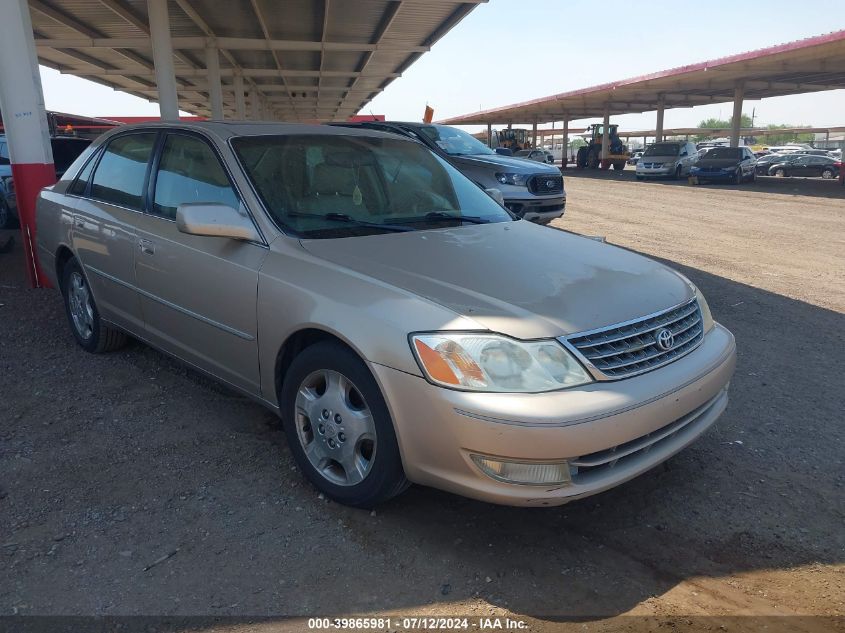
(525, 473)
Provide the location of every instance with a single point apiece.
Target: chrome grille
(544, 185)
(632, 348)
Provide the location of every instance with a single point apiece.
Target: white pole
(605, 138)
(215, 90)
(565, 141)
(168, 99)
(25, 120)
(255, 113)
(240, 102)
(736, 121)
(661, 104)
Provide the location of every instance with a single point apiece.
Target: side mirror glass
(504, 151)
(215, 220)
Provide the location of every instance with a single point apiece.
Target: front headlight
(706, 316)
(495, 363)
(520, 180)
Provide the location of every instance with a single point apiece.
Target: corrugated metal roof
(809, 65)
(308, 59)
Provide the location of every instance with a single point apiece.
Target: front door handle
(147, 247)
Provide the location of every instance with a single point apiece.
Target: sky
(508, 51)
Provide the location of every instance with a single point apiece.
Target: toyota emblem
(550, 184)
(665, 339)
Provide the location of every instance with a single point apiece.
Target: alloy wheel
(81, 310)
(335, 427)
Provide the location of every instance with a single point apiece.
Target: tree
(787, 137)
(714, 123)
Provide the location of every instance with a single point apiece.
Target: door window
(190, 172)
(119, 178)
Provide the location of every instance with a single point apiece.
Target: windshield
(725, 152)
(453, 141)
(663, 149)
(326, 186)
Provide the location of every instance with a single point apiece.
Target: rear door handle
(147, 247)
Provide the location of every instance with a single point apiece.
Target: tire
(593, 161)
(678, 173)
(753, 177)
(619, 165)
(7, 220)
(827, 174)
(581, 158)
(328, 396)
(84, 318)
(738, 177)
(780, 173)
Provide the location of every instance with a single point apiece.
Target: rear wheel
(6, 217)
(827, 174)
(85, 323)
(339, 428)
(619, 164)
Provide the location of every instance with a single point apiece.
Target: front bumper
(646, 418)
(655, 172)
(713, 175)
(540, 209)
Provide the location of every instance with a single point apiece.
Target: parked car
(540, 155)
(635, 157)
(671, 158)
(761, 167)
(532, 191)
(65, 151)
(734, 164)
(806, 165)
(404, 325)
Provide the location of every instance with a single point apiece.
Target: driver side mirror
(496, 194)
(504, 151)
(215, 220)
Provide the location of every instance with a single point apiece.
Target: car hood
(512, 163)
(516, 278)
(717, 162)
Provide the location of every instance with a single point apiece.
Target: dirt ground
(132, 486)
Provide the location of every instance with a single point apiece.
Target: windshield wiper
(442, 215)
(348, 219)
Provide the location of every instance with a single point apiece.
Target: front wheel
(339, 427)
(780, 173)
(678, 173)
(85, 323)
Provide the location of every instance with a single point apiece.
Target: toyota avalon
(403, 325)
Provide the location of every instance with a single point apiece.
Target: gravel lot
(130, 485)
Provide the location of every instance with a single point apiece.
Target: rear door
(110, 190)
(198, 294)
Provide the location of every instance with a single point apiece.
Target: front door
(198, 294)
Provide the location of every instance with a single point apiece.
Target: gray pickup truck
(532, 190)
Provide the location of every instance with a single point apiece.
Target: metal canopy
(308, 59)
(810, 65)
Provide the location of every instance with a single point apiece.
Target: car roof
(228, 129)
